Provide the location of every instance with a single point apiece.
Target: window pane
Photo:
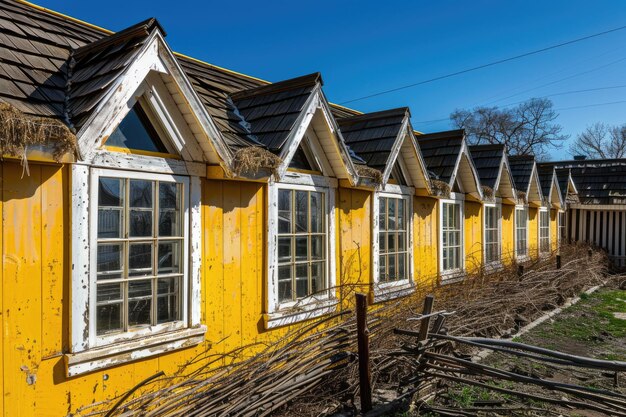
(140, 223)
(284, 211)
(110, 192)
(391, 242)
(109, 292)
(401, 241)
(284, 283)
(141, 193)
(391, 268)
(301, 248)
(167, 301)
(109, 223)
(108, 318)
(317, 248)
(169, 195)
(401, 211)
(169, 258)
(302, 211)
(317, 277)
(401, 266)
(140, 259)
(317, 214)
(169, 223)
(391, 219)
(382, 242)
(139, 289)
(382, 268)
(139, 312)
(382, 214)
(109, 263)
(284, 249)
(302, 280)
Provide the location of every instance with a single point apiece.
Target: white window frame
(561, 223)
(286, 313)
(452, 275)
(88, 351)
(497, 264)
(389, 290)
(521, 258)
(543, 210)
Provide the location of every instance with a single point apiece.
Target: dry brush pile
(312, 370)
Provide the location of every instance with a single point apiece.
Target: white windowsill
(522, 258)
(300, 312)
(391, 290)
(493, 267)
(452, 276)
(119, 353)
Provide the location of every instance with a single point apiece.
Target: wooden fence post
(520, 270)
(558, 261)
(428, 308)
(365, 378)
(589, 253)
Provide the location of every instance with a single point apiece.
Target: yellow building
(167, 209)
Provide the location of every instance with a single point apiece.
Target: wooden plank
(21, 265)
(232, 264)
(55, 203)
(365, 377)
(212, 260)
(251, 248)
(610, 233)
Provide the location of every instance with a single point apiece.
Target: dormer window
(136, 132)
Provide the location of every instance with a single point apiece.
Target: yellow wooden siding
(425, 238)
(533, 232)
(508, 234)
(354, 208)
(473, 236)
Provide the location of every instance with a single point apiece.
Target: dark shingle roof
(441, 152)
(34, 50)
(35, 57)
(95, 66)
(487, 160)
(372, 136)
(545, 173)
(521, 169)
(271, 110)
(598, 181)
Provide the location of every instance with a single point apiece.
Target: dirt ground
(594, 327)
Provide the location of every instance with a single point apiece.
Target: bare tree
(600, 140)
(528, 128)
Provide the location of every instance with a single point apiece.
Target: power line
(591, 105)
(501, 61)
(587, 90)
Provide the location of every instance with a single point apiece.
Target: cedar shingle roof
(372, 136)
(441, 152)
(487, 160)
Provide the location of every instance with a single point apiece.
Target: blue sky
(363, 47)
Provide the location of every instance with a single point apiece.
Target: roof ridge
(374, 115)
(144, 27)
(289, 84)
(446, 134)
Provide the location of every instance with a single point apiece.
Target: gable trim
(156, 56)
(464, 153)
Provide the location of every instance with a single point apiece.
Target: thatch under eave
(250, 160)
(521, 197)
(440, 188)
(370, 173)
(18, 131)
(488, 192)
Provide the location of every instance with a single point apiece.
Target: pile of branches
(18, 131)
(312, 370)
